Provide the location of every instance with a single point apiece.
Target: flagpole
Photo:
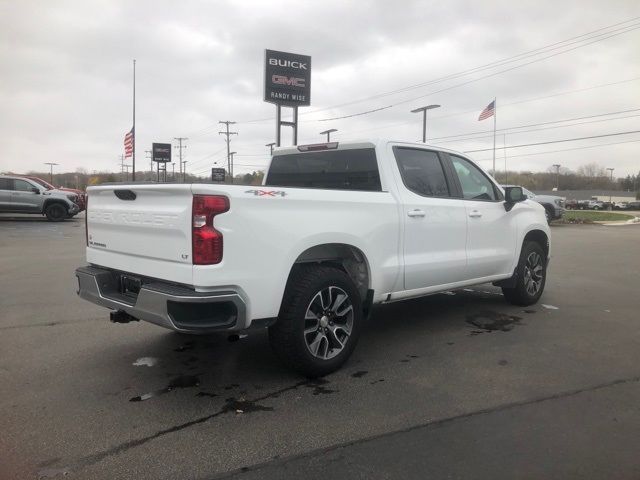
(495, 116)
(133, 167)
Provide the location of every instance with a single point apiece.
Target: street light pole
(51, 164)
(611, 186)
(270, 145)
(328, 133)
(557, 165)
(424, 119)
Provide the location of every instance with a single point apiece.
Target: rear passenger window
(353, 169)
(422, 171)
(6, 184)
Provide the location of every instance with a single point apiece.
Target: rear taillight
(207, 241)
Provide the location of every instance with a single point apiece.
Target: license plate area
(129, 286)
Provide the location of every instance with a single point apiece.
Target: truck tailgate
(141, 229)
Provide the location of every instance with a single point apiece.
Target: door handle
(475, 214)
(416, 213)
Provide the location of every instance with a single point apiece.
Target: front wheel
(55, 212)
(319, 322)
(531, 275)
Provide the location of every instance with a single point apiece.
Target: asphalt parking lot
(458, 385)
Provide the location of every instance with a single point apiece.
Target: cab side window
(6, 184)
(475, 185)
(22, 186)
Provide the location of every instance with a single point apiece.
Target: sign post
(287, 82)
(161, 153)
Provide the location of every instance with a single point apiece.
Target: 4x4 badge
(267, 193)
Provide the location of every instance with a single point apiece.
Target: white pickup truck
(334, 229)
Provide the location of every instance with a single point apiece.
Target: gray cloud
(65, 83)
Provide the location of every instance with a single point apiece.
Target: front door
(23, 198)
(435, 224)
(491, 231)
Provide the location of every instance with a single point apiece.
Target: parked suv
(81, 196)
(22, 195)
(553, 205)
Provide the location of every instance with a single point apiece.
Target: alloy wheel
(328, 322)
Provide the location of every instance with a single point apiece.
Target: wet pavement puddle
(489, 321)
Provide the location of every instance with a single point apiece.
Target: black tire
(287, 336)
(55, 212)
(522, 293)
(548, 216)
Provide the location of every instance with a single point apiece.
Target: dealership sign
(287, 79)
(161, 152)
(217, 174)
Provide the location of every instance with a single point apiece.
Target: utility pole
(231, 154)
(424, 123)
(148, 152)
(180, 147)
(557, 165)
(184, 170)
(51, 164)
(133, 169)
(126, 178)
(122, 167)
(611, 172)
(228, 139)
(270, 145)
(173, 171)
(328, 133)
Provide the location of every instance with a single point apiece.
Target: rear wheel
(55, 212)
(531, 275)
(548, 216)
(319, 322)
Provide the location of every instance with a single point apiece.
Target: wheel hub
(324, 321)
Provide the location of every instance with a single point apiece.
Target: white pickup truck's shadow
(212, 366)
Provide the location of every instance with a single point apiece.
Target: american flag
(128, 143)
(488, 111)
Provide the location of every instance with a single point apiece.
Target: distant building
(602, 195)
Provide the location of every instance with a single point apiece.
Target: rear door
(142, 229)
(435, 223)
(491, 232)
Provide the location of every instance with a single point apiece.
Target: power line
(562, 150)
(540, 124)
(497, 63)
(527, 100)
(473, 80)
(554, 141)
(538, 51)
(537, 129)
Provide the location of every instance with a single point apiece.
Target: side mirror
(513, 195)
(35, 190)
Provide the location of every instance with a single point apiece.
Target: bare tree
(591, 170)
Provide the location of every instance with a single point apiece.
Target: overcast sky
(66, 77)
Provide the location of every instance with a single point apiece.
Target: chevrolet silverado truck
(334, 229)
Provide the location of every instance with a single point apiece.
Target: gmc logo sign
(282, 80)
